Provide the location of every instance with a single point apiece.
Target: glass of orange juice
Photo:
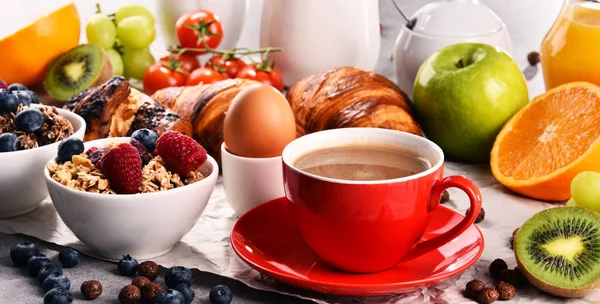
(571, 49)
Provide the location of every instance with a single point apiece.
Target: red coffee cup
(370, 226)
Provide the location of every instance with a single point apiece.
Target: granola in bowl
(129, 167)
(81, 174)
(153, 222)
(31, 127)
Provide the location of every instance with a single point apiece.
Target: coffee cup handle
(438, 188)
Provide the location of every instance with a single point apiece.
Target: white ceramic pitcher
(320, 34)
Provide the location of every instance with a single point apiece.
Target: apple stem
(461, 63)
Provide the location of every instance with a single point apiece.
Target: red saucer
(266, 239)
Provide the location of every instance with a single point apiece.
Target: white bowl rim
(62, 112)
(118, 197)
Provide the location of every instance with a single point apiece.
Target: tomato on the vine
(230, 66)
(264, 73)
(158, 76)
(186, 62)
(205, 76)
(199, 29)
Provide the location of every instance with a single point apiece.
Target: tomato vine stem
(234, 51)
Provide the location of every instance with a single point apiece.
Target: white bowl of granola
(21, 184)
(145, 225)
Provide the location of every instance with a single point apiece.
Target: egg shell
(259, 123)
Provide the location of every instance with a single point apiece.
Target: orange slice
(555, 137)
(26, 54)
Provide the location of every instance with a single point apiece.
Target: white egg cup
(249, 182)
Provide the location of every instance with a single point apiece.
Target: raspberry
(180, 153)
(146, 157)
(122, 165)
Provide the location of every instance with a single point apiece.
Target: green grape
(571, 203)
(115, 61)
(101, 30)
(136, 32)
(133, 10)
(585, 189)
(136, 61)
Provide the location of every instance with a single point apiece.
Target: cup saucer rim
(297, 280)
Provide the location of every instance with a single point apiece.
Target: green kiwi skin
(524, 262)
(99, 71)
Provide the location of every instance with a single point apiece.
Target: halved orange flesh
(546, 144)
(26, 54)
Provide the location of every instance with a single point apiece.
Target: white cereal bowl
(21, 182)
(143, 225)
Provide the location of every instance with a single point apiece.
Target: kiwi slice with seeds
(558, 250)
(76, 70)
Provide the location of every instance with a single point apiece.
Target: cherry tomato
(199, 29)
(204, 75)
(187, 62)
(266, 75)
(158, 77)
(229, 67)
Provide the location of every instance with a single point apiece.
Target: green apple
(464, 94)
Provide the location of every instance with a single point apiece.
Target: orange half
(26, 54)
(546, 144)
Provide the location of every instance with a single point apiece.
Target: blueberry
(147, 137)
(23, 97)
(69, 257)
(169, 296)
(188, 293)
(36, 262)
(17, 87)
(69, 147)
(56, 280)
(127, 265)
(29, 120)
(58, 296)
(47, 270)
(177, 275)
(220, 295)
(8, 102)
(21, 252)
(8, 142)
(35, 99)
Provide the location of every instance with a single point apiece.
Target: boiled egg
(259, 123)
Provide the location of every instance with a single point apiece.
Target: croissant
(349, 97)
(114, 109)
(342, 97)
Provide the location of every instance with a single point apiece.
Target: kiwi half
(76, 70)
(558, 250)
